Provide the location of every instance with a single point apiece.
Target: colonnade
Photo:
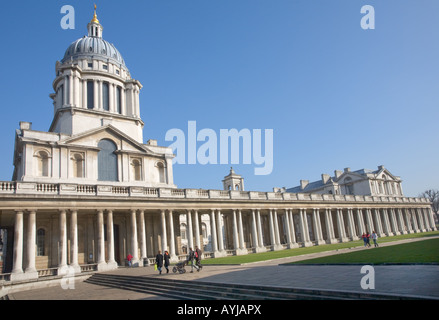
(233, 231)
(75, 93)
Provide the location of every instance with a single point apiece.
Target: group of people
(163, 260)
(366, 238)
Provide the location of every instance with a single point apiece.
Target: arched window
(136, 169)
(41, 241)
(42, 163)
(161, 172)
(107, 161)
(77, 165)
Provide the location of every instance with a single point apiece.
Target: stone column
(164, 233)
(221, 250)
(241, 233)
(387, 228)
(421, 220)
(278, 245)
(414, 220)
(360, 220)
(71, 89)
(402, 227)
(394, 223)
(352, 234)
(426, 219)
(62, 266)
(96, 93)
(292, 229)
(260, 235)
(317, 227)
(378, 223)
(304, 228)
(340, 225)
(431, 218)
(134, 244)
(213, 233)
(254, 231)
(271, 227)
(329, 227)
(407, 220)
(142, 236)
(235, 231)
(84, 94)
(190, 234)
(111, 264)
(31, 271)
(288, 230)
(74, 241)
(197, 229)
(17, 268)
(172, 254)
(102, 265)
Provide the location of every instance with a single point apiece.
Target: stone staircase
(201, 290)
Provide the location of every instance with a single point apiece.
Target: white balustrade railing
(34, 188)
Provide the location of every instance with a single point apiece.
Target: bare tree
(433, 196)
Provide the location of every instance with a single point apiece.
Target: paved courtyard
(412, 280)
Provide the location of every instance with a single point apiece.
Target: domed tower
(96, 136)
(93, 87)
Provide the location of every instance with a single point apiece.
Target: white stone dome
(94, 47)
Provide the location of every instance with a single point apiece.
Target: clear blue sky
(334, 94)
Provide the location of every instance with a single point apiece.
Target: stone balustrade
(11, 187)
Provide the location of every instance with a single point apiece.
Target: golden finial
(95, 18)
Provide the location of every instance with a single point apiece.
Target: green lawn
(425, 251)
(255, 257)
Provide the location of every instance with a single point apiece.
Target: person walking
(129, 258)
(375, 238)
(159, 261)
(198, 258)
(364, 238)
(368, 239)
(191, 259)
(166, 260)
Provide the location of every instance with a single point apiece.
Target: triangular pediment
(386, 173)
(354, 176)
(91, 138)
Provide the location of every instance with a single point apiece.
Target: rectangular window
(90, 95)
(90, 65)
(105, 67)
(118, 100)
(105, 96)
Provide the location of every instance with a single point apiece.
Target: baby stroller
(180, 267)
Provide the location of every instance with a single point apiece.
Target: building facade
(89, 192)
(360, 182)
